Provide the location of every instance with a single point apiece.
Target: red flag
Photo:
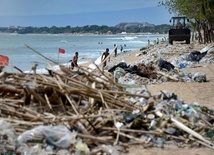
(4, 60)
(61, 51)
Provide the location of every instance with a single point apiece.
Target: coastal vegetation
(95, 29)
(201, 13)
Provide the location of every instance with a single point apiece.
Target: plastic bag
(59, 135)
(7, 136)
(82, 147)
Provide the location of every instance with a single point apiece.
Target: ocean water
(89, 47)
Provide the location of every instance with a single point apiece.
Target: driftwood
(168, 76)
(6, 89)
(92, 107)
(188, 130)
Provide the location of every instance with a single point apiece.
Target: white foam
(129, 38)
(54, 68)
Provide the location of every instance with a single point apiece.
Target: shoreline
(88, 47)
(86, 63)
(135, 56)
(131, 57)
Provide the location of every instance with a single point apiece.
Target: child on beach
(104, 56)
(74, 61)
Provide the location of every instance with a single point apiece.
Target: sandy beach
(189, 92)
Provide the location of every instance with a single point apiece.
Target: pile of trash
(141, 74)
(181, 56)
(194, 57)
(153, 68)
(69, 113)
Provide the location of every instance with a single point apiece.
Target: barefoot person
(104, 56)
(74, 61)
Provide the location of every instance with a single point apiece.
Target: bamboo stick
(74, 108)
(48, 102)
(8, 89)
(186, 129)
(25, 116)
(21, 122)
(132, 131)
(131, 137)
(168, 76)
(105, 140)
(40, 54)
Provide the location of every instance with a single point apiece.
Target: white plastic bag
(58, 135)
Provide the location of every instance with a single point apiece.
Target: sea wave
(63, 41)
(129, 38)
(124, 38)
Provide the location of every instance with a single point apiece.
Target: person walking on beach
(157, 41)
(121, 48)
(74, 61)
(115, 50)
(104, 56)
(148, 44)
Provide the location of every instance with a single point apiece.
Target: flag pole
(60, 51)
(58, 57)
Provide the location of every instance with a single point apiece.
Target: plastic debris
(7, 136)
(82, 147)
(58, 135)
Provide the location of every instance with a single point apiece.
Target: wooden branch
(168, 76)
(8, 89)
(132, 131)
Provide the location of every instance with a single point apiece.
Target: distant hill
(125, 25)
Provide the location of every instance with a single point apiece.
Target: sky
(80, 12)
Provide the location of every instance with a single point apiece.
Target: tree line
(201, 13)
(95, 29)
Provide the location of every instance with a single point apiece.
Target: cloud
(56, 7)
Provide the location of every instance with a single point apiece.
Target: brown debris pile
(146, 71)
(100, 110)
